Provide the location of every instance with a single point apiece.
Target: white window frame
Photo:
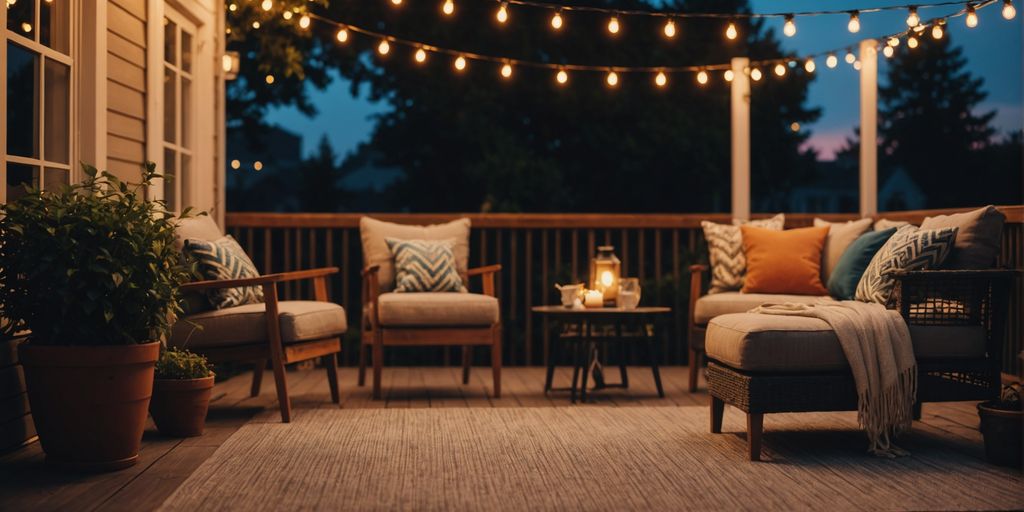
(45, 52)
(185, 137)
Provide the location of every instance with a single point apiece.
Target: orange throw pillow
(784, 261)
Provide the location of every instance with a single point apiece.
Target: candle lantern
(605, 271)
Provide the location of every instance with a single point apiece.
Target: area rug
(580, 458)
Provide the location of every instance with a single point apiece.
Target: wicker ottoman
(766, 364)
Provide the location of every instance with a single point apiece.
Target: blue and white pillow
(909, 248)
(425, 266)
(224, 259)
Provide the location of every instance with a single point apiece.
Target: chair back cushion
(425, 266)
(224, 259)
(374, 234)
(910, 248)
(199, 227)
(725, 251)
(978, 237)
(840, 236)
(842, 283)
(784, 261)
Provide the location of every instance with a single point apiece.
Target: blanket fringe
(895, 416)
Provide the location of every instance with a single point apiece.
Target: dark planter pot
(179, 406)
(89, 403)
(1002, 429)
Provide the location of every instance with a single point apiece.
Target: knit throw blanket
(877, 345)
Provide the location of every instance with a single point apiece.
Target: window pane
(170, 106)
(54, 25)
(17, 176)
(186, 51)
(186, 112)
(22, 101)
(184, 175)
(170, 40)
(170, 180)
(56, 111)
(21, 17)
(55, 179)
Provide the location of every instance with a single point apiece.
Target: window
(179, 49)
(37, 97)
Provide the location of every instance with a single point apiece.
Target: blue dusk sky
(993, 51)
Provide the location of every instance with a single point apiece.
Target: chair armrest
(696, 289)
(953, 297)
(487, 276)
(370, 293)
(281, 277)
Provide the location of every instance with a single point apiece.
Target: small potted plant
(1001, 424)
(181, 393)
(92, 272)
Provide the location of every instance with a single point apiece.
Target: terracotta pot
(1002, 429)
(89, 403)
(179, 406)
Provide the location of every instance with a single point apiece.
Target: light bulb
(460, 63)
(888, 51)
(287, 15)
(257, 165)
(702, 77)
(854, 25)
(894, 41)
(231, 7)
(421, 55)
(937, 31)
(506, 70)
(831, 61)
(269, 79)
(670, 29)
(850, 57)
(912, 42)
(342, 35)
(912, 18)
(235, 164)
(789, 28)
(856, 65)
(267, 5)
(728, 75)
(730, 31)
(660, 79)
(612, 79)
(448, 8)
(304, 21)
(556, 21)
(256, 25)
(780, 69)
(396, 2)
(794, 126)
(502, 15)
(613, 26)
(972, 17)
(384, 47)
(810, 66)
(1009, 12)
(562, 77)
(755, 74)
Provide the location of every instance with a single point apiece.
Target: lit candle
(593, 299)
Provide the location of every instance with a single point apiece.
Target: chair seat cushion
(437, 308)
(300, 320)
(753, 342)
(710, 306)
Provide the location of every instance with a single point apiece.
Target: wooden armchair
(430, 319)
(695, 331)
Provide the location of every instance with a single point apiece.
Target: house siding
(126, 87)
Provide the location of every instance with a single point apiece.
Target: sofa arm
(696, 290)
(953, 297)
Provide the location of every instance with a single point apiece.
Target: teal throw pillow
(842, 282)
(425, 266)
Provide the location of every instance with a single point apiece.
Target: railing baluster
(527, 294)
(575, 254)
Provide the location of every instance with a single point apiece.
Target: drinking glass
(629, 293)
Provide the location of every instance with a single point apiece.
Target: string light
(911, 42)
(421, 55)
(831, 61)
(232, 7)
(780, 69)
(850, 57)
(894, 41)
(728, 75)
(1009, 12)
(506, 70)
(448, 8)
(755, 74)
(854, 25)
(287, 15)
(702, 77)
(670, 29)
(660, 79)
(396, 2)
(267, 5)
(304, 21)
(342, 35)
(384, 47)
(561, 77)
(556, 21)
(613, 26)
(856, 65)
(269, 79)
(789, 28)
(502, 15)
(256, 25)
(730, 31)
(612, 79)
(888, 51)
(937, 31)
(810, 66)
(460, 63)
(912, 18)
(972, 17)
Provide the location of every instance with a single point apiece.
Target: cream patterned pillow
(910, 248)
(725, 250)
(425, 266)
(223, 259)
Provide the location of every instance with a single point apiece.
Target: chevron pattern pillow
(725, 251)
(224, 259)
(910, 248)
(425, 266)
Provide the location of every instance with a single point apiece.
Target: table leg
(652, 354)
(551, 356)
(588, 350)
(576, 364)
(623, 354)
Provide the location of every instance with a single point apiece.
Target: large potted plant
(1002, 422)
(181, 393)
(91, 271)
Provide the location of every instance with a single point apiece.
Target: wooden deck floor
(27, 484)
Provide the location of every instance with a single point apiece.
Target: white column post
(740, 114)
(868, 128)
(92, 100)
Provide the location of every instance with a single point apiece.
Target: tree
(316, 184)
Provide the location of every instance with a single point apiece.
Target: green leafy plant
(93, 263)
(181, 365)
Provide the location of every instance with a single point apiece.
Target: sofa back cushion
(840, 236)
(374, 234)
(979, 234)
(784, 261)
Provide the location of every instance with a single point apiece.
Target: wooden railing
(538, 250)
